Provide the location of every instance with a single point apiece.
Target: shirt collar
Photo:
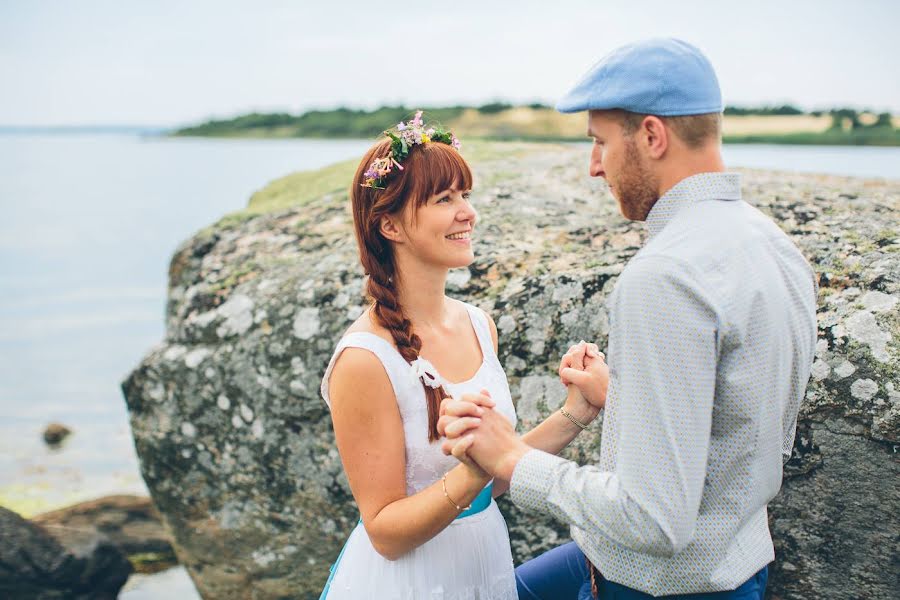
(703, 186)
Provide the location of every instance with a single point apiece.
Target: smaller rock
(36, 565)
(55, 433)
(130, 523)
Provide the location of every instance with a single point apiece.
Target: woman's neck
(420, 291)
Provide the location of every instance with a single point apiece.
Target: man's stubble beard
(637, 188)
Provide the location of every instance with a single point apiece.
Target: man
(712, 334)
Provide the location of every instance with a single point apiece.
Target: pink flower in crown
(412, 136)
(417, 120)
(455, 142)
(380, 168)
(401, 126)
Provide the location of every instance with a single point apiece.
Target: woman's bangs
(442, 167)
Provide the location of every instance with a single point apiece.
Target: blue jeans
(563, 573)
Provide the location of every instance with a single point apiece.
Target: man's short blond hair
(694, 130)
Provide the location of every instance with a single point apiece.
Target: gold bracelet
(569, 416)
(450, 500)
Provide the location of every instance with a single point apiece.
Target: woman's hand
(585, 372)
(577, 406)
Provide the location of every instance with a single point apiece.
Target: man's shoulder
(711, 233)
(649, 273)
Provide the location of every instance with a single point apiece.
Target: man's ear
(654, 136)
(390, 230)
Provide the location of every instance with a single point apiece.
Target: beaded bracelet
(450, 500)
(569, 416)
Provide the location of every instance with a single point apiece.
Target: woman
(429, 527)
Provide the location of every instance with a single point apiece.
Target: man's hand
(480, 433)
(584, 366)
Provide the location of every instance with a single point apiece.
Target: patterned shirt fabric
(712, 336)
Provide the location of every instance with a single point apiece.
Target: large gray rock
(236, 445)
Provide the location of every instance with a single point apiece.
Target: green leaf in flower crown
(441, 136)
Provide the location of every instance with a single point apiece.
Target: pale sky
(167, 63)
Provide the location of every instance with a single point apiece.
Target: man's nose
(596, 166)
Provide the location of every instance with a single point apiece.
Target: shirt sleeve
(790, 423)
(662, 357)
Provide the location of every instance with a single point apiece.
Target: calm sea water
(89, 225)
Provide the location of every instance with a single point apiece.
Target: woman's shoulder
(366, 324)
(359, 348)
(486, 316)
(360, 355)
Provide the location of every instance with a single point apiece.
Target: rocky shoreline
(236, 446)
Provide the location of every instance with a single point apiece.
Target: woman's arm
(369, 434)
(556, 431)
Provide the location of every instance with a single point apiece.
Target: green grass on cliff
(296, 189)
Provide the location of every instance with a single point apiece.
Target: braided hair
(427, 170)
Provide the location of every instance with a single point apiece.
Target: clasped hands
(485, 440)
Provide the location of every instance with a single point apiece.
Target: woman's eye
(466, 195)
(443, 199)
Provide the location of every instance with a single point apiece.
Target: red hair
(427, 170)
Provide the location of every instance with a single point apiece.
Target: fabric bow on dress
(424, 371)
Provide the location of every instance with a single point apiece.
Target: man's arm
(662, 351)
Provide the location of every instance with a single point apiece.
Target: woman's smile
(462, 237)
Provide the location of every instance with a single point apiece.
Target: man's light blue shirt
(712, 336)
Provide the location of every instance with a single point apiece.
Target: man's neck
(708, 160)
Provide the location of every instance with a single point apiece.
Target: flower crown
(407, 136)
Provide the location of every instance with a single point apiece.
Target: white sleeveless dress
(471, 558)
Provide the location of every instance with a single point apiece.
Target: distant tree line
(785, 109)
(849, 118)
(841, 118)
(347, 122)
(340, 122)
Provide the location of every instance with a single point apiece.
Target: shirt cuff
(532, 480)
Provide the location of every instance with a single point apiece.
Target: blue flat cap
(663, 77)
